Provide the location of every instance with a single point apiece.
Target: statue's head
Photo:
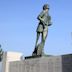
(45, 6)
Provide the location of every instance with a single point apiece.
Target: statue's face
(46, 10)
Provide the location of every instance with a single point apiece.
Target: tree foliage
(1, 53)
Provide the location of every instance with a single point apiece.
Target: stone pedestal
(38, 64)
(47, 63)
(44, 64)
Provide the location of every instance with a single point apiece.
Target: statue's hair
(45, 6)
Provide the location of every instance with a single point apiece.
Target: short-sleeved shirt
(44, 15)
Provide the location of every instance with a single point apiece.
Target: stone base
(43, 64)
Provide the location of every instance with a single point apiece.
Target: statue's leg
(44, 36)
(38, 35)
(36, 46)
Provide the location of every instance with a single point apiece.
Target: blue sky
(18, 23)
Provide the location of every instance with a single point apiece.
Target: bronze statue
(44, 22)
